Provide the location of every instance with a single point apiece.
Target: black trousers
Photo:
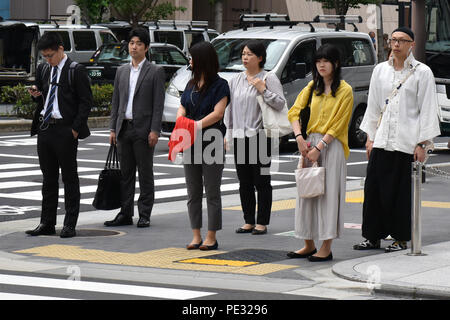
(387, 196)
(57, 148)
(135, 152)
(252, 166)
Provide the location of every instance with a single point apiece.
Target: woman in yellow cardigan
(320, 218)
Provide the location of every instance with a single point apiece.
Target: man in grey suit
(136, 113)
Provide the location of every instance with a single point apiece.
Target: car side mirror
(299, 71)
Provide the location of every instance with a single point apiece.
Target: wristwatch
(422, 145)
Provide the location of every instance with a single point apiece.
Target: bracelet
(317, 148)
(297, 135)
(324, 143)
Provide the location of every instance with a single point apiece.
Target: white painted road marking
(143, 291)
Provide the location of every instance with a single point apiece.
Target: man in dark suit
(137, 107)
(59, 121)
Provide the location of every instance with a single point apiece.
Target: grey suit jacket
(148, 101)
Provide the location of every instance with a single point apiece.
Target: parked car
(18, 52)
(80, 41)
(103, 65)
(19, 56)
(290, 55)
(182, 34)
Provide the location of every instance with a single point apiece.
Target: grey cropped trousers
(209, 175)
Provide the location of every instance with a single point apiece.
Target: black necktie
(51, 99)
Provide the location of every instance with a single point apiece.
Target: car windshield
(114, 53)
(229, 52)
(168, 56)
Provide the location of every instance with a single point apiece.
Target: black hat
(406, 30)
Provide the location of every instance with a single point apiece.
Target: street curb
(342, 270)
(25, 124)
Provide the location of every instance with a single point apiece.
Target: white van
(180, 33)
(80, 41)
(290, 54)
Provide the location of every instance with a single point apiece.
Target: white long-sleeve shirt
(410, 117)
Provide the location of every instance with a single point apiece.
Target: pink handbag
(310, 180)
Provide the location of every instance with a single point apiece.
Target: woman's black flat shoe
(194, 246)
(319, 259)
(242, 230)
(256, 231)
(204, 247)
(295, 255)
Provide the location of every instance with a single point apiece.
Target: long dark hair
(206, 63)
(330, 53)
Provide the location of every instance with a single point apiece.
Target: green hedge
(24, 105)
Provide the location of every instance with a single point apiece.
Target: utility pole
(379, 43)
(418, 27)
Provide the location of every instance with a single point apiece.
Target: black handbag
(107, 196)
(305, 114)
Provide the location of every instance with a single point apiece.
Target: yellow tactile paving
(356, 196)
(162, 258)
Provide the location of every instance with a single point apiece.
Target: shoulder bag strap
(394, 93)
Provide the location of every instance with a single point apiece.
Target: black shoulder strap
(71, 73)
(305, 113)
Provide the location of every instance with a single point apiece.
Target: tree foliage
(342, 6)
(133, 11)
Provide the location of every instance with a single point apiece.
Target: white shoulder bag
(276, 123)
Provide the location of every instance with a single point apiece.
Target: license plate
(95, 73)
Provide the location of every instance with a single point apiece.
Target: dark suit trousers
(57, 148)
(135, 152)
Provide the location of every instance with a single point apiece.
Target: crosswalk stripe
(143, 291)
(15, 296)
(18, 184)
(9, 166)
(27, 173)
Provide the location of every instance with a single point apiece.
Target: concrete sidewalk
(425, 276)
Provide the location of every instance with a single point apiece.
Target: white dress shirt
(134, 76)
(56, 114)
(411, 116)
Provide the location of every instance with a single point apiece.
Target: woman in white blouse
(252, 149)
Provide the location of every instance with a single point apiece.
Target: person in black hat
(400, 121)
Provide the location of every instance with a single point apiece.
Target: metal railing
(417, 170)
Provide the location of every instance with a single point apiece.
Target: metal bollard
(416, 199)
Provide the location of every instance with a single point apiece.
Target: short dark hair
(142, 34)
(258, 48)
(205, 62)
(50, 40)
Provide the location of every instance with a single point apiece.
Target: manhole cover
(93, 233)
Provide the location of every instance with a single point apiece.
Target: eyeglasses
(399, 41)
(48, 56)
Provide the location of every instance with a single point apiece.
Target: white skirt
(320, 218)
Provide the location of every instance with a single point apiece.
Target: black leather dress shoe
(68, 232)
(42, 229)
(295, 255)
(119, 220)
(320, 259)
(143, 223)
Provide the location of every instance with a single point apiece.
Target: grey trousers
(135, 152)
(211, 176)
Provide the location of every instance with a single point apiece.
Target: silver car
(290, 55)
